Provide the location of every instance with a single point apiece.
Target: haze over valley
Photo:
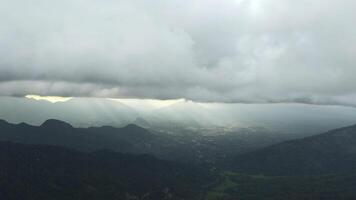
(168, 115)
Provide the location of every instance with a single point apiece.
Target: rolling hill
(34, 172)
(333, 152)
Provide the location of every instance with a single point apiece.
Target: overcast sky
(251, 51)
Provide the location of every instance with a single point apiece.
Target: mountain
(55, 132)
(189, 148)
(234, 186)
(333, 152)
(32, 172)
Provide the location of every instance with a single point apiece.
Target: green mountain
(35, 172)
(333, 152)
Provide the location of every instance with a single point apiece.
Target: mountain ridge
(35, 172)
(331, 152)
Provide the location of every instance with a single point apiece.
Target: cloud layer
(252, 51)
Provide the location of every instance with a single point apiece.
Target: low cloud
(251, 51)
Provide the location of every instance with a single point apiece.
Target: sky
(227, 51)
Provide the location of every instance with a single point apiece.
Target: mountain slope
(50, 172)
(188, 147)
(331, 152)
(55, 132)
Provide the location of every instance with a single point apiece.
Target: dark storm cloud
(252, 51)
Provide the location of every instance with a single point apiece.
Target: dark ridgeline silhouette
(55, 132)
(58, 161)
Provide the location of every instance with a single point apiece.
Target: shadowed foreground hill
(48, 172)
(333, 152)
(318, 167)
